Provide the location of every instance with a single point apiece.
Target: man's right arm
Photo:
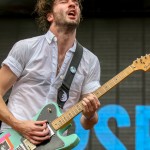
(7, 79)
(35, 131)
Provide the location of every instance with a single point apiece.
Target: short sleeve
(16, 58)
(92, 80)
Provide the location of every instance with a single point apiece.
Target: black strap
(63, 91)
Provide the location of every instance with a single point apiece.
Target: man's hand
(90, 105)
(89, 114)
(35, 131)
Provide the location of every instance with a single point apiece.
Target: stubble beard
(63, 22)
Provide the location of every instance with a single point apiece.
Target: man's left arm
(89, 101)
(89, 114)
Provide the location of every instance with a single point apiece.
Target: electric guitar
(58, 123)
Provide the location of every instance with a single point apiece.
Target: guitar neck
(66, 117)
(114, 81)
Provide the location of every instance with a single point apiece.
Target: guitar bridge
(28, 145)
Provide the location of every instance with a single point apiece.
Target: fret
(103, 90)
(107, 87)
(59, 121)
(121, 75)
(124, 72)
(21, 147)
(115, 80)
(75, 109)
(131, 68)
(56, 124)
(72, 111)
(62, 121)
(127, 71)
(112, 83)
(118, 78)
(78, 107)
(97, 93)
(70, 114)
(64, 118)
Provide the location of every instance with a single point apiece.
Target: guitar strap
(63, 91)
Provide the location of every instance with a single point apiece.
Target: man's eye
(76, 2)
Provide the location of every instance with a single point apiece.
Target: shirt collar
(73, 48)
(51, 37)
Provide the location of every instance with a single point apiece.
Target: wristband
(90, 118)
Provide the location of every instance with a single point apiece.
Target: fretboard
(66, 117)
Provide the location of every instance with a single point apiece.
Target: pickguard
(49, 113)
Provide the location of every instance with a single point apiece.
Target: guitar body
(13, 140)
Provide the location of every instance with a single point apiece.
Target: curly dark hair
(42, 8)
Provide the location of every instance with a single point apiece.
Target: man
(35, 69)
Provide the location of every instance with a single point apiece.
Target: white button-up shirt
(34, 62)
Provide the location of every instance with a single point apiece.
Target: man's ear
(49, 17)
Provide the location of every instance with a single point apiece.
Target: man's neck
(65, 38)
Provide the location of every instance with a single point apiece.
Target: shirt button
(55, 39)
(62, 77)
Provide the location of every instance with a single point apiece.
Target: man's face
(66, 13)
